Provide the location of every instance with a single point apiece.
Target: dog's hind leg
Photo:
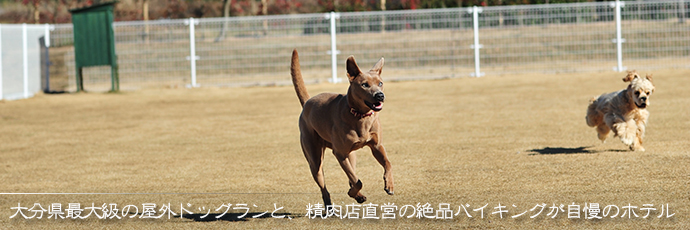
(593, 118)
(603, 132)
(313, 151)
(379, 153)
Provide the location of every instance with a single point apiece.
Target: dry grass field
(517, 141)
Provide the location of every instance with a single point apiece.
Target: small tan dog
(343, 123)
(624, 112)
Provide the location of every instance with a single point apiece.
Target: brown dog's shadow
(566, 150)
(235, 217)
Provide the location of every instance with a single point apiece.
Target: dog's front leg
(379, 153)
(641, 126)
(355, 184)
(353, 162)
(626, 130)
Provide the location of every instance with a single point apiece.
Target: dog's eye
(637, 92)
(380, 84)
(649, 93)
(365, 85)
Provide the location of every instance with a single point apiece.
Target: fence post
(618, 40)
(46, 41)
(334, 53)
(25, 60)
(475, 25)
(681, 15)
(192, 50)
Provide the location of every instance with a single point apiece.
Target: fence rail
(417, 44)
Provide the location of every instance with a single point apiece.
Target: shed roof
(92, 7)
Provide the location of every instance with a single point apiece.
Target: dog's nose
(643, 98)
(379, 96)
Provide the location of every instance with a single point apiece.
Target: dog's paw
(354, 192)
(627, 141)
(602, 137)
(357, 196)
(360, 199)
(388, 186)
(637, 148)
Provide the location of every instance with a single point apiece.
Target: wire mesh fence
(554, 38)
(657, 34)
(417, 44)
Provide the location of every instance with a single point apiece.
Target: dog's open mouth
(376, 106)
(641, 106)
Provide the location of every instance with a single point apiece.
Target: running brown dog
(624, 112)
(343, 123)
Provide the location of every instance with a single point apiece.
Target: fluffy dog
(343, 123)
(624, 112)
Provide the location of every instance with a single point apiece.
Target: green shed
(94, 41)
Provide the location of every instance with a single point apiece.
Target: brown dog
(624, 112)
(343, 123)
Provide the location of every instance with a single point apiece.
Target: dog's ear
(352, 68)
(377, 67)
(631, 75)
(649, 77)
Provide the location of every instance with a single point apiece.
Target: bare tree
(383, 17)
(145, 12)
(264, 11)
(226, 15)
(34, 4)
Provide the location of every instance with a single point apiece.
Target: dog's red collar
(354, 112)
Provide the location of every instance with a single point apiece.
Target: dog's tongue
(378, 105)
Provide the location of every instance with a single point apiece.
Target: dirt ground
(517, 143)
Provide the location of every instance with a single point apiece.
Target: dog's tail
(297, 80)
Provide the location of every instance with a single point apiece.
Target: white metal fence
(20, 60)
(417, 44)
